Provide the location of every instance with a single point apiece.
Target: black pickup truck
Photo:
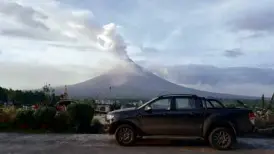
(181, 115)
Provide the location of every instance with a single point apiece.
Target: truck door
(157, 120)
(188, 116)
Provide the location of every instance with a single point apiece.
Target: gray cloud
(232, 80)
(233, 53)
(245, 89)
(255, 17)
(78, 48)
(26, 15)
(25, 34)
(28, 22)
(149, 49)
(28, 76)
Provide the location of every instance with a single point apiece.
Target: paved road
(104, 144)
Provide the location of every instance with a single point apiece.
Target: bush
(24, 119)
(61, 121)
(96, 126)
(8, 114)
(45, 117)
(80, 115)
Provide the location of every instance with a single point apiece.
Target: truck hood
(123, 110)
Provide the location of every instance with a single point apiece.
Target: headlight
(110, 116)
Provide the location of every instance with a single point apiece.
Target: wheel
(125, 135)
(222, 138)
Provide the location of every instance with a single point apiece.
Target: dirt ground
(13, 143)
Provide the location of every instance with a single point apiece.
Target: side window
(216, 104)
(213, 104)
(208, 105)
(184, 103)
(161, 104)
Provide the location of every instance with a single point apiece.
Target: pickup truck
(181, 115)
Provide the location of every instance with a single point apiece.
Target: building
(103, 106)
(65, 95)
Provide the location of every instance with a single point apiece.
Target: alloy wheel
(222, 139)
(125, 135)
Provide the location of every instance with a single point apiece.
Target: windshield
(143, 105)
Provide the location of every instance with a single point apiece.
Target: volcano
(127, 80)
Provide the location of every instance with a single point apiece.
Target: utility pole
(110, 91)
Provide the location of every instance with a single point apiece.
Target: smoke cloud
(109, 40)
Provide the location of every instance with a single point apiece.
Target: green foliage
(45, 116)
(8, 114)
(263, 101)
(4, 125)
(80, 115)
(49, 93)
(96, 121)
(96, 126)
(271, 102)
(28, 97)
(230, 105)
(80, 112)
(7, 117)
(88, 101)
(61, 121)
(25, 117)
(21, 97)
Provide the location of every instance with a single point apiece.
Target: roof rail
(174, 94)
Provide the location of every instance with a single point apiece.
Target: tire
(222, 138)
(125, 135)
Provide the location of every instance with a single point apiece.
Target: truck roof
(167, 95)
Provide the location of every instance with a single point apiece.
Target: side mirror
(148, 108)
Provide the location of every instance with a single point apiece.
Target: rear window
(184, 103)
(188, 103)
(213, 104)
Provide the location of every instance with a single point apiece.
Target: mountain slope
(128, 80)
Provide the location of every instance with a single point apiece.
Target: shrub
(44, 117)
(260, 123)
(61, 121)
(96, 126)
(80, 115)
(8, 114)
(24, 119)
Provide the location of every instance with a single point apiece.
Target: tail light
(252, 117)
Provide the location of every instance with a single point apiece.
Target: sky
(215, 45)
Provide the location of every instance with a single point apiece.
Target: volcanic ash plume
(112, 42)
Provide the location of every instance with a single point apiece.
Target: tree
(271, 102)
(21, 97)
(49, 93)
(263, 102)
